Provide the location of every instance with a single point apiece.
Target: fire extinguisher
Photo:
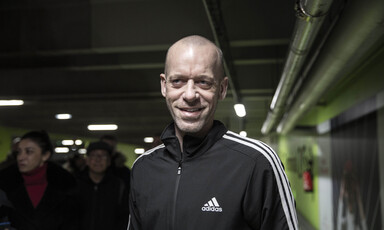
(307, 181)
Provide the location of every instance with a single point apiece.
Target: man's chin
(189, 128)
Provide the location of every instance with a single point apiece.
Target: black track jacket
(221, 182)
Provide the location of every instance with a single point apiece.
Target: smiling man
(204, 176)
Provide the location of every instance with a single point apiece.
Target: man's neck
(96, 177)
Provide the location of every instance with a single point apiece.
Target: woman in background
(41, 192)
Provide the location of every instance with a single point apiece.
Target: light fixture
(61, 150)
(243, 133)
(139, 151)
(78, 142)
(240, 110)
(148, 139)
(67, 142)
(82, 151)
(63, 116)
(11, 102)
(102, 127)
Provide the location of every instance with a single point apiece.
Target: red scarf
(36, 183)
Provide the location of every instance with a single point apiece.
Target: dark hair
(99, 145)
(41, 138)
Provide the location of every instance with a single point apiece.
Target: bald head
(197, 41)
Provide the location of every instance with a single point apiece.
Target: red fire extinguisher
(307, 181)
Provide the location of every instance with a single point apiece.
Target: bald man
(204, 176)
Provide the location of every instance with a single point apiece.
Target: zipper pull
(179, 169)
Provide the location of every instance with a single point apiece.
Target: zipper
(178, 175)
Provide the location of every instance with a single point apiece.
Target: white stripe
(215, 202)
(210, 203)
(129, 221)
(148, 152)
(283, 186)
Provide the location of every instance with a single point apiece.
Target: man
(118, 160)
(204, 176)
(103, 196)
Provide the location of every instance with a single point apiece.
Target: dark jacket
(57, 208)
(223, 181)
(6, 210)
(103, 205)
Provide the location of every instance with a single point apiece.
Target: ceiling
(100, 60)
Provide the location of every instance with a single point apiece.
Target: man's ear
(163, 83)
(223, 88)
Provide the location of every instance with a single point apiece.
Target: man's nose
(190, 93)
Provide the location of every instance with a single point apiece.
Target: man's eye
(204, 84)
(177, 82)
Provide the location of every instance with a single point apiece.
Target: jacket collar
(192, 146)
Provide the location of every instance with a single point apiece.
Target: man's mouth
(191, 110)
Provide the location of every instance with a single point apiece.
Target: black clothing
(6, 210)
(57, 208)
(103, 205)
(223, 181)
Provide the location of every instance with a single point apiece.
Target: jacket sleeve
(268, 202)
(134, 222)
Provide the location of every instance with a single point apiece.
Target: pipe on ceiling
(310, 18)
(360, 28)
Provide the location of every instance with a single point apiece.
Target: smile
(192, 110)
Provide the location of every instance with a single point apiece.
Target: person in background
(42, 193)
(204, 176)
(75, 164)
(118, 160)
(103, 196)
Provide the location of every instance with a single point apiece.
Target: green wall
(294, 150)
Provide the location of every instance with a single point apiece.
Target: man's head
(192, 84)
(98, 157)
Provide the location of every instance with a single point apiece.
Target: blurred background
(310, 75)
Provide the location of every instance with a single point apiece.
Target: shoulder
(148, 155)
(249, 148)
(10, 176)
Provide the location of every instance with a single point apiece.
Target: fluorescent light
(11, 102)
(78, 142)
(82, 151)
(243, 133)
(63, 116)
(67, 142)
(240, 110)
(102, 127)
(61, 150)
(139, 150)
(148, 139)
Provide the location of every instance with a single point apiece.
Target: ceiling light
(67, 142)
(61, 150)
(11, 102)
(102, 127)
(243, 133)
(63, 116)
(82, 151)
(78, 142)
(240, 110)
(139, 151)
(148, 139)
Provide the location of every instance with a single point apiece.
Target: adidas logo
(212, 206)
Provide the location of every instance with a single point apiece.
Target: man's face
(192, 88)
(98, 161)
